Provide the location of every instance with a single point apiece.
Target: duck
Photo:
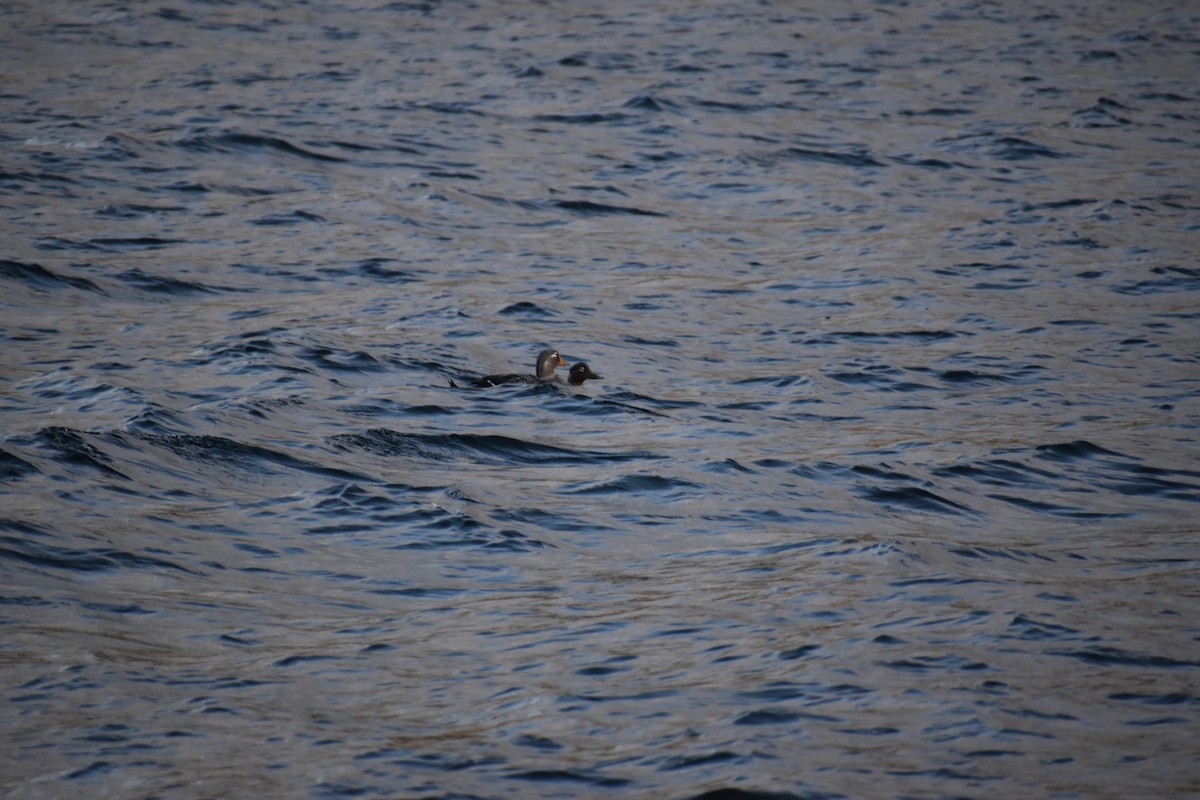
(580, 373)
(547, 361)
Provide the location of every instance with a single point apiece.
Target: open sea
(890, 487)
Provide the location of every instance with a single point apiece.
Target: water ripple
(485, 448)
(888, 487)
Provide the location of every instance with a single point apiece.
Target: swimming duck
(547, 360)
(580, 373)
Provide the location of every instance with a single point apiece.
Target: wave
(488, 448)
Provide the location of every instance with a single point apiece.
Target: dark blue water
(890, 487)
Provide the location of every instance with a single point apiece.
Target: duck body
(497, 380)
(547, 361)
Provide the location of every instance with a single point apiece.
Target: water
(889, 489)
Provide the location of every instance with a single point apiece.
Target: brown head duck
(580, 373)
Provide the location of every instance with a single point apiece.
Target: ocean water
(889, 488)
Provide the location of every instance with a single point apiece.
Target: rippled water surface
(889, 488)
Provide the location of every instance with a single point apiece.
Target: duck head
(547, 360)
(580, 373)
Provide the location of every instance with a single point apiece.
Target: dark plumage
(547, 360)
(580, 373)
